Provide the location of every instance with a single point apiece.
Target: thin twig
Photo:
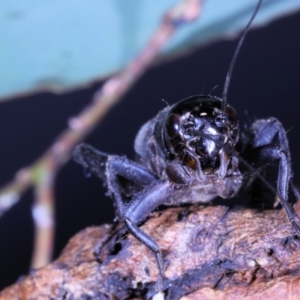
(43, 215)
(41, 174)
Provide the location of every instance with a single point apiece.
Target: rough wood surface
(210, 252)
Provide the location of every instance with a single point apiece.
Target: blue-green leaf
(63, 44)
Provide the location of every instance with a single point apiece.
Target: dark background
(266, 82)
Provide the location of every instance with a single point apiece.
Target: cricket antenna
(236, 53)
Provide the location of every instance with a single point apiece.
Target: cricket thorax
(209, 189)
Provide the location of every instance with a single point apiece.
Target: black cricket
(192, 150)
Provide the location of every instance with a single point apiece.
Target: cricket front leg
(118, 166)
(137, 212)
(153, 194)
(269, 144)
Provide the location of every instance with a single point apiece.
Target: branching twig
(41, 174)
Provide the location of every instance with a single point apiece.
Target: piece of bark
(210, 252)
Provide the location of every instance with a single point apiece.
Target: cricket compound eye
(173, 126)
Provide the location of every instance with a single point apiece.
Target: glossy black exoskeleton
(192, 151)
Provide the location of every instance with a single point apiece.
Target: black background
(266, 82)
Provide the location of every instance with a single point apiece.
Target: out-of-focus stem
(41, 174)
(11, 193)
(43, 215)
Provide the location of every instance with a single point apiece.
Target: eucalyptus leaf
(58, 45)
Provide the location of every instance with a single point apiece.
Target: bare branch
(43, 216)
(38, 174)
(212, 252)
